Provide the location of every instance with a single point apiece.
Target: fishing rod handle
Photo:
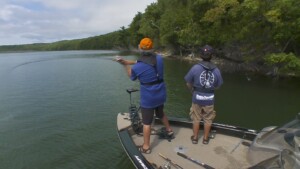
(202, 164)
(208, 167)
(182, 155)
(162, 156)
(167, 159)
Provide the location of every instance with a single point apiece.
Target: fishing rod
(170, 161)
(195, 161)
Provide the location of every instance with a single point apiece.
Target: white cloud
(34, 21)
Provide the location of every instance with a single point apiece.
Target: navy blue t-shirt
(151, 95)
(204, 81)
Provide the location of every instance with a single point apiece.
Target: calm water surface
(58, 109)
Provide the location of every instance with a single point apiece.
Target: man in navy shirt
(202, 79)
(149, 70)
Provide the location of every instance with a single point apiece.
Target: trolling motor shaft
(136, 123)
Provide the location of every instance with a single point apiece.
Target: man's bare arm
(128, 70)
(190, 87)
(126, 64)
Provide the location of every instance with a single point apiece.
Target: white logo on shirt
(199, 97)
(207, 79)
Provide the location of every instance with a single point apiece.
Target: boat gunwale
(136, 157)
(235, 131)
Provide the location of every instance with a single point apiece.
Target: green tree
(284, 18)
(283, 63)
(133, 29)
(149, 23)
(123, 38)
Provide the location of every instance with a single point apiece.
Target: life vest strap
(203, 90)
(154, 82)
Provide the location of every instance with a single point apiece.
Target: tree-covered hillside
(107, 41)
(261, 33)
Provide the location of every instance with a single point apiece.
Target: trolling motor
(135, 119)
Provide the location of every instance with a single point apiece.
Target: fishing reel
(167, 166)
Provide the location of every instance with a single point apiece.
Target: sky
(44, 21)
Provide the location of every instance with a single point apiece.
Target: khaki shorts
(206, 113)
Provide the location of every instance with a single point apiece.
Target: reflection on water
(58, 109)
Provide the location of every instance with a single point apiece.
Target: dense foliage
(264, 33)
(251, 31)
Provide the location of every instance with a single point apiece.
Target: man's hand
(125, 62)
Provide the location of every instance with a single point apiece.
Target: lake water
(58, 109)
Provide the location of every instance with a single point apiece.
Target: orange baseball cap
(146, 44)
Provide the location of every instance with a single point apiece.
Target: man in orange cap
(149, 70)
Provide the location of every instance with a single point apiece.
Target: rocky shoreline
(224, 64)
(228, 65)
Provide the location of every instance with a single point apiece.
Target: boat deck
(222, 152)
